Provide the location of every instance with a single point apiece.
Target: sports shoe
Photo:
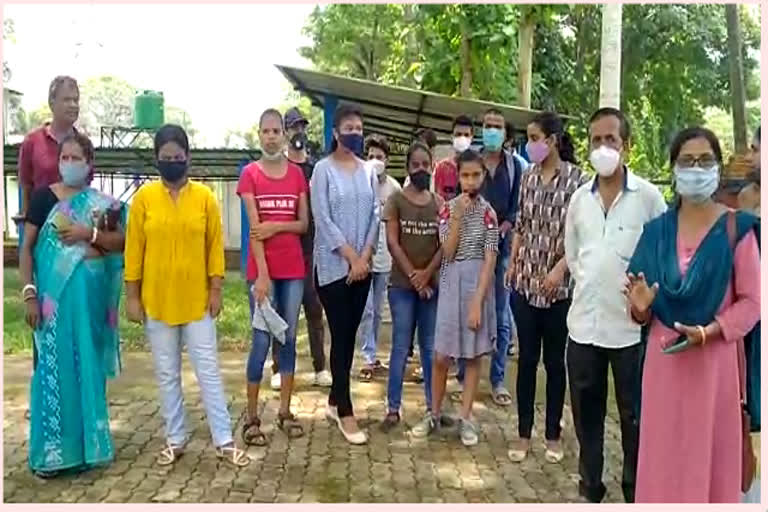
(467, 432)
(425, 427)
(323, 379)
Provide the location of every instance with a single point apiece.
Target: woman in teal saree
(71, 264)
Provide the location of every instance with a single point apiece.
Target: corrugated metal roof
(398, 112)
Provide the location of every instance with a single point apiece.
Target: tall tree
(610, 57)
(525, 55)
(738, 93)
(105, 101)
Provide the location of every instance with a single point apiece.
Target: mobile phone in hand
(682, 343)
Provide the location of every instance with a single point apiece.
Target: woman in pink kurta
(690, 419)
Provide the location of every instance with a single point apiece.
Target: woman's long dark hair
(552, 124)
(342, 113)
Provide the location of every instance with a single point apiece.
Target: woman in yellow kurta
(174, 267)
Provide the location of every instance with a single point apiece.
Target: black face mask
(421, 180)
(172, 171)
(299, 141)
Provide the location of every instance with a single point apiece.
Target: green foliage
(674, 63)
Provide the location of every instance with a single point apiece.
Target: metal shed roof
(398, 112)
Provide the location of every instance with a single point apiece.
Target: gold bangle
(703, 334)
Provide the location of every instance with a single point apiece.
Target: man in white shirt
(377, 149)
(603, 224)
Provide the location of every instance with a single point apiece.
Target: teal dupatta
(694, 299)
(77, 341)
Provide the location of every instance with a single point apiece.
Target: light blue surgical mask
(696, 184)
(73, 174)
(493, 138)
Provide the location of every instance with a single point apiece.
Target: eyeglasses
(704, 161)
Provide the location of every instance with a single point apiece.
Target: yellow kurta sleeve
(214, 238)
(135, 239)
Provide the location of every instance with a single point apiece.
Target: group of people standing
(591, 271)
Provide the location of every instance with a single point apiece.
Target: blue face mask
(493, 138)
(73, 174)
(695, 183)
(352, 141)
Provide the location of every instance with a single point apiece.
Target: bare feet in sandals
(501, 396)
(232, 454)
(252, 434)
(288, 423)
(366, 373)
(170, 454)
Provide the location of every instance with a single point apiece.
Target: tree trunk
(465, 90)
(525, 58)
(610, 57)
(738, 94)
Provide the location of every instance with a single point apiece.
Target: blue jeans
(409, 311)
(504, 320)
(369, 324)
(166, 342)
(286, 298)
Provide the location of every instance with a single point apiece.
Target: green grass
(233, 324)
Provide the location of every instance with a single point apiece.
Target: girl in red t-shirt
(274, 192)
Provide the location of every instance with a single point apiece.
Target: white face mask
(461, 144)
(376, 166)
(605, 160)
(272, 157)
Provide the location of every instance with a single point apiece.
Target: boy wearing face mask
(446, 173)
(297, 153)
(603, 224)
(377, 150)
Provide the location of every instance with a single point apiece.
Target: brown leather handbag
(748, 460)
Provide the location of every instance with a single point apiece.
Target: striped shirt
(346, 211)
(479, 230)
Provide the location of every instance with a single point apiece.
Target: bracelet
(29, 286)
(703, 334)
(95, 235)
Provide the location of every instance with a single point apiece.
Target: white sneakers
(323, 379)
(274, 382)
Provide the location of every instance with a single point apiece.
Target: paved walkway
(320, 467)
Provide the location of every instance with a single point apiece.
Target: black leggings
(343, 304)
(539, 328)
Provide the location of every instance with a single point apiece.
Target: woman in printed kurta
(689, 282)
(538, 274)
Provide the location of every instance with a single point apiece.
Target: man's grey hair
(56, 85)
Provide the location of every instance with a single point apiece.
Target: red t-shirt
(446, 179)
(39, 159)
(277, 200)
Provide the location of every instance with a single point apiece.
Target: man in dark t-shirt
(295, 131)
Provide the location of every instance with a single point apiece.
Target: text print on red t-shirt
(278, 204)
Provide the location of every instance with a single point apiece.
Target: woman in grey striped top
(346, 212)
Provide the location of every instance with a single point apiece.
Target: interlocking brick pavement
(320, 467)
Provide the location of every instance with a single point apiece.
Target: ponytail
(566, 149)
